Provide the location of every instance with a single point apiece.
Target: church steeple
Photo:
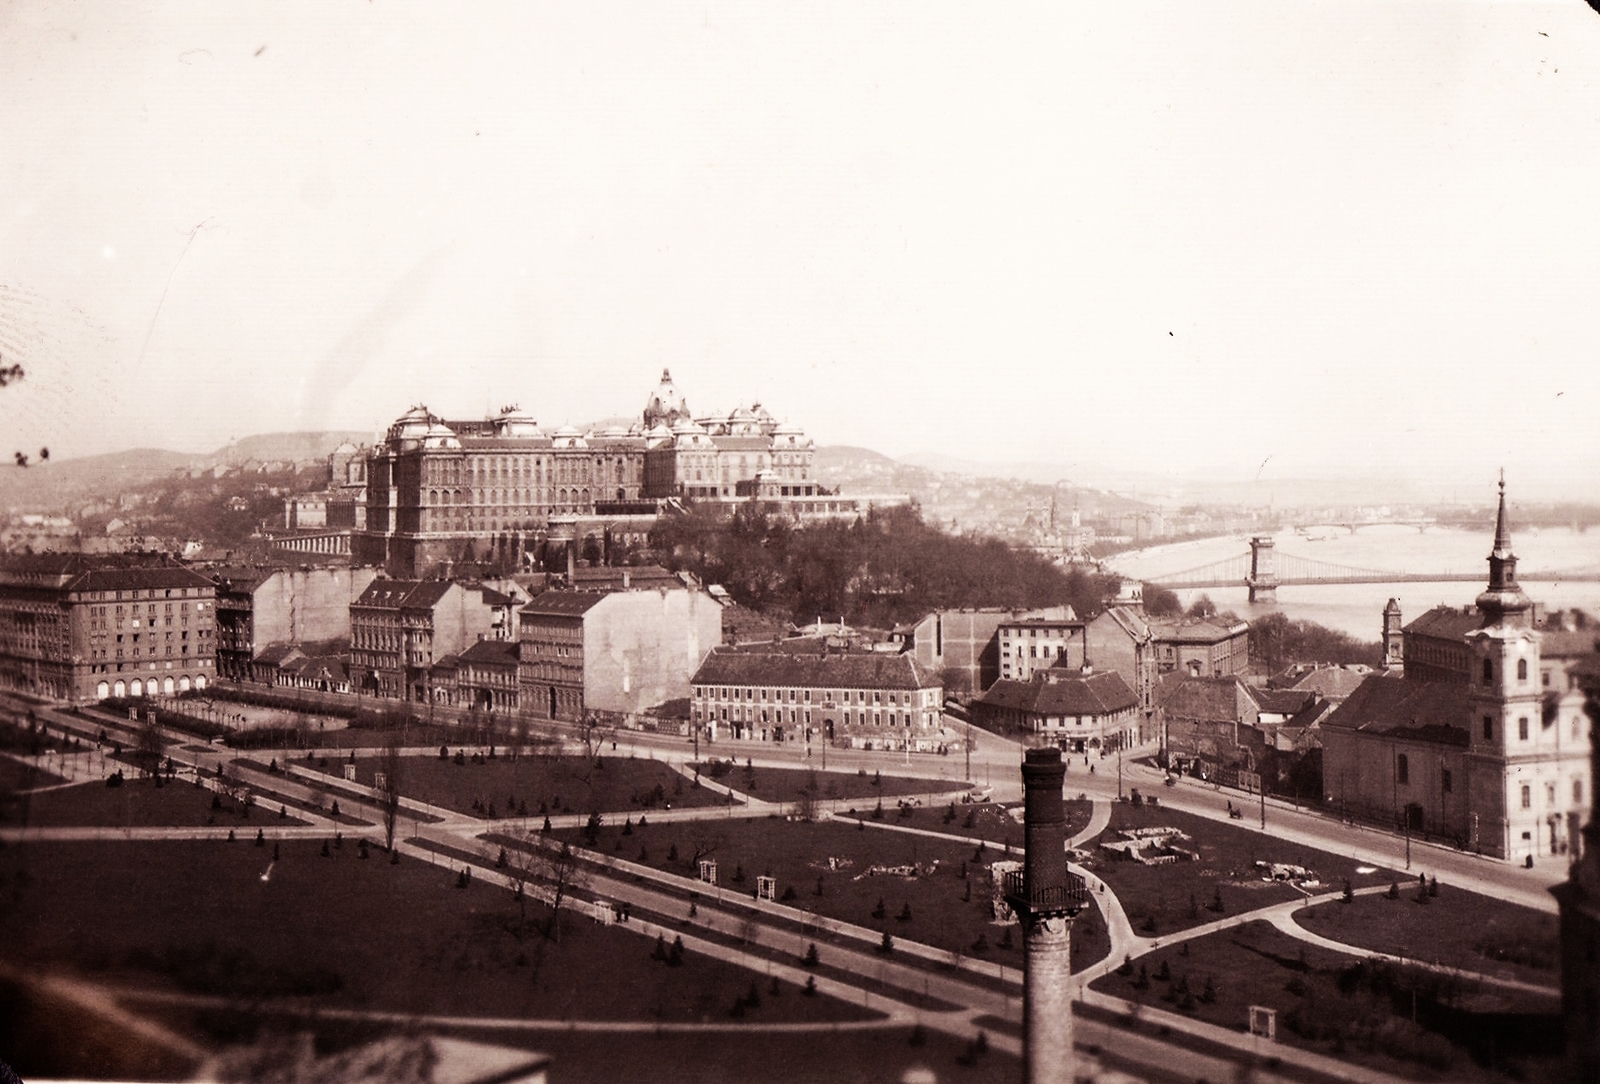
(1504, 602)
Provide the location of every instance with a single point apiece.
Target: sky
(1235, 239)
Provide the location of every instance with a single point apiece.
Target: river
(1357, 609)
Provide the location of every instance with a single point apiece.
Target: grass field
(1160, 899)
(1456, 928)
(793, 784)
(539, 785)
(139, 803)
(1362, 1016)
(15, 776)
(224, 919)
(947, 911)
(984, 820)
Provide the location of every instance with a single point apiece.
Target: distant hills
(59, 484)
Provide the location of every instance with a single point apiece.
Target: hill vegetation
(884, 569)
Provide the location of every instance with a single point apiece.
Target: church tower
(1394, 646)
(1508, 735)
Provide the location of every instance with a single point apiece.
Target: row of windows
(1488, 671)
(794, 696)
(157, 593)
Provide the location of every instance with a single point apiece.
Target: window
(1402, 768)
(1488, 671)
(1527, 797)
(1488, 728)
(1522, 669)
(1549, 794)
(1522, 728)
(1445, 780)
(1577, 792)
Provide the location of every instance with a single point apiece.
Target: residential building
(1120, 638)
(1201, 647)
(1579, 901)
(1039, 640)
(1078, 711)
(959, 645)
(399, 630)
(1498, 763)
(261, 606)
(618, 652)
(1209, 724)
(854, 699)
(488, 676)
(76, 627)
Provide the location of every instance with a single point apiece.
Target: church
(1466, 742)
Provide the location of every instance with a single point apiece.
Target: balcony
(1070, 897)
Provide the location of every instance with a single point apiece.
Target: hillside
(65, 486)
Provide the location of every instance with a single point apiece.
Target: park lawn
(139, 803)
(1162, 899)
(1359, 1021)
(1456, 928)
(348, 933)
(985, 820)
(794, 784)
(15, 776)
(535, 785)
(948, 911)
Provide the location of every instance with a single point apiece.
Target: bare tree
(390, 763)
(559, 870)
(151, 744)
(703, 843)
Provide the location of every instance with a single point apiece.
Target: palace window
(1527, 797)
(1403, 768)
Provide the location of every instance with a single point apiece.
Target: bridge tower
(1263, 578)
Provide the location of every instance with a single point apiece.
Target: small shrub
(810, 988)
(1394, 891)
(811, 958)
(886, 946)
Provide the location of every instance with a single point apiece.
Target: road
(771, 939)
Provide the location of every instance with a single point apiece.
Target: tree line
(882, 569)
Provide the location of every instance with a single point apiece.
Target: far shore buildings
(1478, 742)
(805, 692)
(78, 627)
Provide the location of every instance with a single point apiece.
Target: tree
(1160, 602)
(390, 762)
(151, 745)
(560, 870)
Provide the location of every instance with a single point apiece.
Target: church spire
(1504, 601)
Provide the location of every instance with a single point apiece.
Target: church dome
(440, 436)
(666, 404)
(569, 436)
(512, 421)
(412, 426)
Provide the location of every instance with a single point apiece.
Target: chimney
(1045, 898)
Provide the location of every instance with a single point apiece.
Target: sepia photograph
(819, 543)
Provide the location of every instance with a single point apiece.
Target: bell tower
(1394, 644)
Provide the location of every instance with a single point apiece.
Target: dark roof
(404, 594)
(1197, 630)
(1569, 643)
(855, 670)
(562, 603)
(491, 653)
(1446, 622)
(1094, 694)
(1433, 711)
(1203, 698)
(95, 572)
(1334, 682)
(610, 577)
(1282, 701)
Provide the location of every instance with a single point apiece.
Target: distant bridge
(1263, 570)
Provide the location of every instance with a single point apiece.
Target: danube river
(1357, 609)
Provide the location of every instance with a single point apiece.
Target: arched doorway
(102, 690)
(137, 688)
(183, 684)
(119, 690)
(166, 686)
(200, 682)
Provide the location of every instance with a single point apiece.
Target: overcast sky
(1237, 238)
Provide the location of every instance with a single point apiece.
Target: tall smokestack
(1046, 897)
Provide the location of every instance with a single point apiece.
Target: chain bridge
(1263, 570)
